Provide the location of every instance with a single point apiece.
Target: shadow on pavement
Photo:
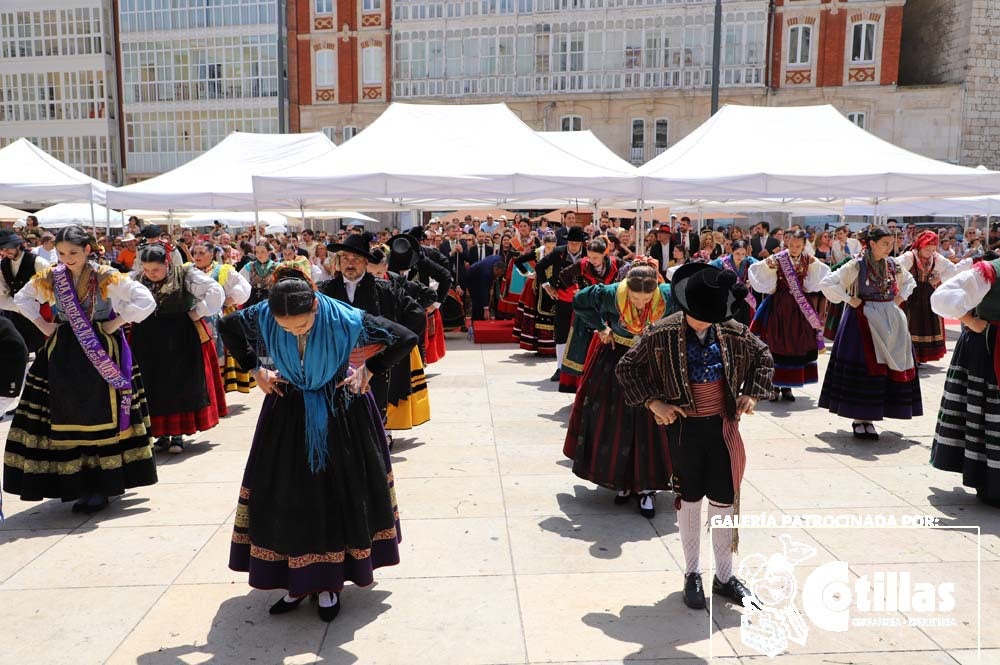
(843, 443)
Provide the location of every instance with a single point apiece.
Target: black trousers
(702, 459)
(563, 318)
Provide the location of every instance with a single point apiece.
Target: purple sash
(119, 378)
(727, 263)
(796, 289)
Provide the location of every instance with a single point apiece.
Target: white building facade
(192, 72)
(58, 82)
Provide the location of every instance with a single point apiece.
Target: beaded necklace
(878, 274)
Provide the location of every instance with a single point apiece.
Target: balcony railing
(637, 155)
(607, 81)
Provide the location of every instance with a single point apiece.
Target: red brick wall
(892, 36)
(294, 95)
(832, 45)
(347, 70)
(777, 48)
(347, 13)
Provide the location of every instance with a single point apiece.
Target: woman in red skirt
(175, 351)
(929, 269)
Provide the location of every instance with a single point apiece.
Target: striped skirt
(967, 436)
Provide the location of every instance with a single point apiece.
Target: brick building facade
(339, 64)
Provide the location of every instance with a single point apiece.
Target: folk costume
(259, 276)
(745, 310)
(572, 280)
(547, 271)
(238, 291)
(536, 311)
(407, 258)
(177, 356)
(787, 320)
(415, 409)
(966, 439)
(927, 328)
(834, 310)
(706, 374)
(13, 364)
(317, 507)
(14, 275)
(612, 443)
(872, 374)
(82, 426)
(432, 266)
(378, 298)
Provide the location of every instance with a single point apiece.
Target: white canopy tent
(952, 207)
(586, 145)
(231, 219)
(805, 152)
(414, 155)
(9, 214)
(221, 179)
(68, 214)
(30, 177)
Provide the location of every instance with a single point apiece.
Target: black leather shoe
(554, 377)
(649, 512)
(95, 503)
(328, 614)
(282, 606)
(162, 443)
(734, 590)
(786, 394)
(694, 593)
(622, 499)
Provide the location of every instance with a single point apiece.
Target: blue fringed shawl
(328, 348)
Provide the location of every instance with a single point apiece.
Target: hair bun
(726, 279)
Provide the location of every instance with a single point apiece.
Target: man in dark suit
(568, 222)
(455, 250)
(686, 237)
(357, 287)
(762, 243)
(661, 251)
(480, 250)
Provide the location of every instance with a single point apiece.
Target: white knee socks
(560, 351)
(689, 522)
(722, 541)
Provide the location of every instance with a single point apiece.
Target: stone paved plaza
(507, 557)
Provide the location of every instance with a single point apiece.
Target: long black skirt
(611, 443)
(64, 442)
(309, 532)
(967, 439)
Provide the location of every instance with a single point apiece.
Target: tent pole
(640, 228)
(93, 222)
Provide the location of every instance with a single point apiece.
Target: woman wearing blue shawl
(317, 506)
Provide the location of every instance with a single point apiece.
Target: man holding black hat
(701, 366)
(547, 273)
(356, 286)
(17, 267)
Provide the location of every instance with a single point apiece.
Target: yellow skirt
(235, 379)
(415, 409)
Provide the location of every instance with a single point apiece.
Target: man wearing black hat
(701, 366)
(356, 286)
(547, 271)
(431, 265)
(17, 267)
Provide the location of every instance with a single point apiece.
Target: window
(661, 136)
(325, 68)
(798, 44)
(638, 142)
(372, 6)
(350, 132)
(858, 118)
(571, 123)
(371, 67)
(324, 6)
(863, 43)
(567, 51)
(331, 133)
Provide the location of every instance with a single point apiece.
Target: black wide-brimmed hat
(404, 252)
(417, 232)
(355, 244)
(576, 234)
(9, 239)
(707, 293)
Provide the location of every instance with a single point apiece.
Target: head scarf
(924, 239)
